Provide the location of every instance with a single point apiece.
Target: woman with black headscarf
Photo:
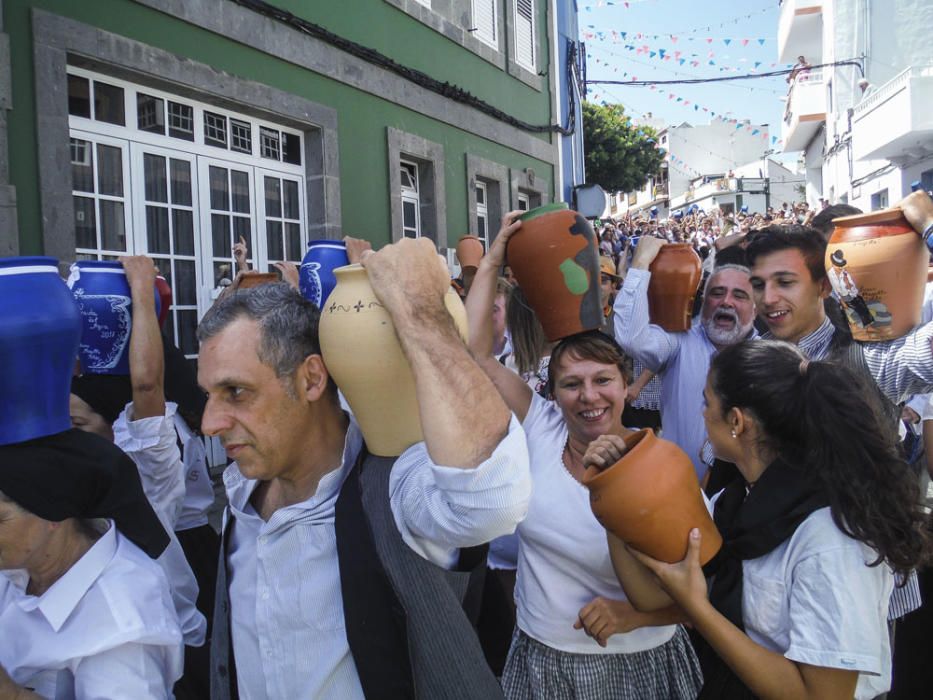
(85, 611)
(824, 515)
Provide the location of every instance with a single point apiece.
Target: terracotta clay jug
(469, 252)
(651, 499)
(555, 258)
(363, 355)
(675, 277)
(877, 266)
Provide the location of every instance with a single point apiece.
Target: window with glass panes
(181, 181)
(411, 200)
(99, 193)
(482, 214)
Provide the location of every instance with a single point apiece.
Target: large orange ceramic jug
(877, 266)
(675, 277)
(555, 258)
(363, 355)
(469, 252)
(651, 499)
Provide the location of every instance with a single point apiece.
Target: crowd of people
(471, 565)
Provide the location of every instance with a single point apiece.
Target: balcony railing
(889, 89)
(805, 78)
(894, 120)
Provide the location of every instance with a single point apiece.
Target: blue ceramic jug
(39, 338)
(316, 279)
(103, 297)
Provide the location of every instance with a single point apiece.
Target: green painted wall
(362, 118)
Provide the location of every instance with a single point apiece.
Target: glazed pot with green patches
(675, 277)
(555, 258)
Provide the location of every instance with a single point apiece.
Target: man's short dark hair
(823, 222)
(775, 238)
(288, 323)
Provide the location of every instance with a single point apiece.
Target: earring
(733, 434)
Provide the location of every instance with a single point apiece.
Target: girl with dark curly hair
(825, 515)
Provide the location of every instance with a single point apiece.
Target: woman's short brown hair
(589, 345)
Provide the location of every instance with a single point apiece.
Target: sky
(679, 39)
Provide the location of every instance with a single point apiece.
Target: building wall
(708, 149)
(892, 35)
(357, 121)
(366, 101)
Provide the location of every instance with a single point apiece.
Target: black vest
(409, 623)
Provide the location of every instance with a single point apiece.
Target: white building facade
(720, 164)
(864, 139)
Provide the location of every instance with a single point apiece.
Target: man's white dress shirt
(287, 620)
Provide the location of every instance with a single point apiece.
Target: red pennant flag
(744, 42)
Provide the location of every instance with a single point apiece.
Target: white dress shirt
(563, 560)
(815, 599)
(681, 360)
(106, 629)
(287, 618)
(199, 491)
(151, 444)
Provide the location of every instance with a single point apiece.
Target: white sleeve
(927, 410)
(153, 445)
(835, 624)
(440, 509)
(141, 671)
(904, 366)
(649, 344)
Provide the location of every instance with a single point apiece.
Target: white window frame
(134, 142)
(486, 21)
(99, 252)
(523, 202)
(411, 195)
(482, 212)
(879, 200)
(265, 217)
(167, 261)
(526, 54)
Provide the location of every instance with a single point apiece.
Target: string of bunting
(675, 55)
(755, 130)
(673, 71)
(674, 38)
(662, 56)
(679, 163)
(627, 5)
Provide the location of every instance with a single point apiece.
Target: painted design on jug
(574, 276)
(863, 307)
(591, 308)
(104, 338)
(311, 283)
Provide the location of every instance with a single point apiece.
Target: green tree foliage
(620, 156)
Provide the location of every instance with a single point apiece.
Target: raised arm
(146, 357)
(514, 391)
(650, 344)
(904, 366)
(463, 418)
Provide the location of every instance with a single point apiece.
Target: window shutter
(484, 20)
(525, 34)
